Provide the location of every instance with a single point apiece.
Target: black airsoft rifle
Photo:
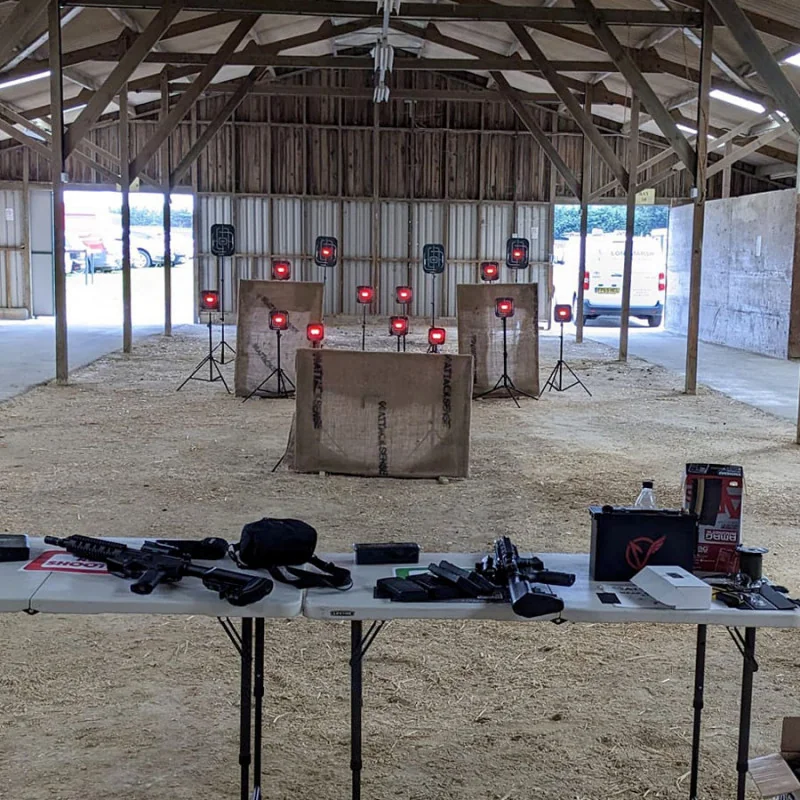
(500, 577)
(516, 576)
(156, 563)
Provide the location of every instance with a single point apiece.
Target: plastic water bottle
(647, 497)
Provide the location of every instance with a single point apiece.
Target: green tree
(610, 218)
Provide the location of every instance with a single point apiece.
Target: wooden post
(701, 190)
(794, 318)
(630, 230)
(586, 190)
(727, 173)
(124, 161)
(167, 215)
(376, 209)
(57, 168)
(27, 296)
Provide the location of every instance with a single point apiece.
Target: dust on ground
(146, 707)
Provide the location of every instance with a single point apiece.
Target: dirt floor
(146, 707)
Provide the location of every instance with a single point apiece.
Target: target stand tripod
(556, 379)
(223, 345)
(505, 381)
(285, 387)
(214, 372)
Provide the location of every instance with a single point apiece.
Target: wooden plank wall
(429, 149)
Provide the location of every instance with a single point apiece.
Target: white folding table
(582, 603)
(62, 591)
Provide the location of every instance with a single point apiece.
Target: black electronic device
(400, 590)
(223, 240)
(518, 253)
(14, 547)
(386, 553)
(326, 251)
(626, 540)
(433, 259)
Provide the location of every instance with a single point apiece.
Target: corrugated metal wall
(13, 259)
(472, 233)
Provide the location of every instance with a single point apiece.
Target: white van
(602, 281)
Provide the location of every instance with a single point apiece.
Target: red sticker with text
(59, 561)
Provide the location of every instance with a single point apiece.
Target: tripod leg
(221, 376)
(489, 391)
(196, 370)
(550, 382)
(578, 381)
(260, 385)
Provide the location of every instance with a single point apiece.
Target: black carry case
(625, 540)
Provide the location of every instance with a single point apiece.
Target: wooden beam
(421, 11)
(57, 172)
(124, 155)
(529, 121)
(583, 120)
(742, 29)
(261, 57)
(630, 232)
(794, 303)
(235, 100)
(26, 16)
(120, 74)
(641, 88)
(586, 185)
(127, 21)
(190, 96)
(701, 189)
(167, 210)
(23, 138)
(742, 152)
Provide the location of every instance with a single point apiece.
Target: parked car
(74, 256)
(147, 250)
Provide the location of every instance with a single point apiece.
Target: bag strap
(329, 575)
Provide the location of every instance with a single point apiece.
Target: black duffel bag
(281, 546)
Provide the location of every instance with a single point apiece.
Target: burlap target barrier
(256, 344)
(401, 415)
(480, 334)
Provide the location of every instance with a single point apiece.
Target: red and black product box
(626, 540)
(714, 492)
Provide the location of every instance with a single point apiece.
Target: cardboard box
(714, 492)
(776, 775)
(674, 587)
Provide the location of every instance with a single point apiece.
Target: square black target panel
(223, 241)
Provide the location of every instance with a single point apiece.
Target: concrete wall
(748, 254)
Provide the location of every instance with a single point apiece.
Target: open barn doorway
(605, 253)
(94, 259)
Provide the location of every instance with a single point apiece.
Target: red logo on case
(639, 551)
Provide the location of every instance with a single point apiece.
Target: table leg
(745, 708)
(356, 704)
(259, 708)
(699, 686)
(245, 719)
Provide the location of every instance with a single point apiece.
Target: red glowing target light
(404, 294)
(209, 301)
(281, 270)
(563, 313)
(315, 332)
(365, 294)
(490, 271)
(436, 336)
(278, 320)
(504, 307)
(398, 326)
